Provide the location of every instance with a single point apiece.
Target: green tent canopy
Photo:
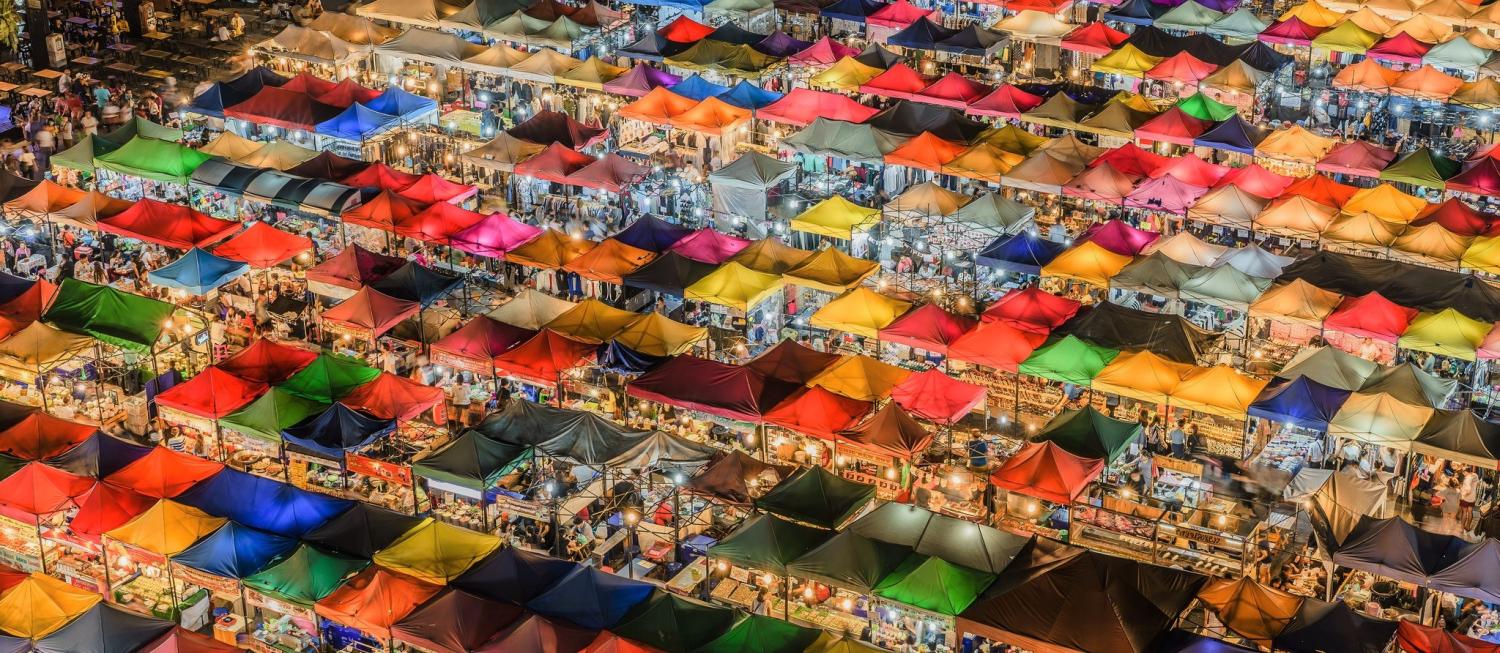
(1348, 37)
(1243, 24)
(669, 622)
(1068, 360)
(1089, 433)
(817, 496)
(81, 156)
(850, 561)
(154, 159)
(1189, 17)
(767, 543)
(123, 134)
(831, 643)
(111, 315)
(329, 378)
(1202, 107)
(1421, 168)
(270, 414)
(958, 541)
(305, 576)
(934, 584)
(762, 634)
(473, 461)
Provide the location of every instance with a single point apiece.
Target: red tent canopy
(105, 507)
(1173, 126)
(213, 393)
(473, 346)
(40, 435)
(1291, 31)
(437, 223)
(823, 52)
(890, 430)
(383, 211)
(346, 93)
(1008, 101)
(685, 30)
(1094, 38)
(353, 268)
(1360, 158)
(1401, 47)
(1370, 315)
(287, 109)
(954, 90)
(818, 412)
(263, 246)
(1192, 170)
(928, 327)
(1133, 161)
(925, 152)
(380, 176)
(792, 362)
(803, 105)
(309, 83)
(1044, 471)
(1181, 67)
(27, 307)
(721, 389)
(611, 173)
(935, 396)
(1457, 216)
(393, 397)
(1321, 189)
(608, 642)
(554, 164)
(544, 358)
(1412, 637)
(163, 473)
(268, 362)
(996, 344)
(1257, 181)
(1481, 178)
(432, 187)
(547, 127)
(168, 225)
(37, 490)
(370, 311)
(180, 640)
(899, 81)
(1032, 309)
(899, 15)
(374, 600)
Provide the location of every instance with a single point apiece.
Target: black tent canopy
(1167, 335)
(362, 530)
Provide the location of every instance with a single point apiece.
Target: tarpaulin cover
(818, 497)
(235, 551)
(374, 600)
(1068, 360)
(1088, 433)
(729, 391)
(213, 393)
(513, 575)
(263, 503)
(817, 412)
(937, 397)
(591, 598)
(362, 530)
(669, 622)
(337, 430)
(168, 225)
(454, 621)
(1334, 628)
(166, 528)
(164, 473)
(1035, 601)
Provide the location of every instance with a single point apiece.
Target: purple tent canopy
(640, 80)
(494, 236)
(652, 234)
(1118, 237)
(1165, 193)
(1234, 135)
(779, 44)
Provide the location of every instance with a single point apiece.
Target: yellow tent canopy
(1380, 419)
(591, 74)
(1392, 10)
(1295, 216)
(1236, 77)
(846, 74)
(166, 528)
(545, 63)
(1219, 390)
(1387, 203)
(735, 286)
(1127, 61)
(984, 161)
(1012, 138)
(593, 321)
(830, 270)
(1347, 36)
(1424, 28)
(1430, 243)
(860, 377)
(1141, 375)
(1071, 150)
(230, 146)
(862, 312)
(1447, 332)
(550, 251)
(436, 552)
(1295, 144)
(280, 155)
(531, 309)
(1370, 20)
(1483, 255)
(41, 604)
(1365, 229)
(1298, 301)
(658, 335)
(1088, 263)
(37, 349)
(927, 199)
(836, 217)
(771, 256)
(1313, 13)
(1482, 94)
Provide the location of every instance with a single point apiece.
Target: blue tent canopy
(652, 234)
(263, 503)
(1137, 12)
(1301, 401)
(513, 575)
(235, 551)
(1022, 252)
(591, 598)
(98, 456)
(618, 358)
(336, 430)
(697, 88)
(749, 96)
(227, 94)
(851, 10)
(357, 123)
(103, 629)
(12, 286)
(1234, 135)
(10, 644)
(922, 35)
(398, 102)
(415, 283)
(685, 5)
(1181, 641)
(197, 272)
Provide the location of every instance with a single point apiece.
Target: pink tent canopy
(953, 90)
(927, 327)
(1193, 170)
(1133, 161)
(1118, 237)
(823, 52)
(1008, 101)
(1400, 48)
(1173, 126)
(1167, 193)
(1291, 31)
(1359, 158)
(803, 105)
(1102, 182)
(1094, 38)
(708, 246)
(1482, 178)
(437, 223)
(493, 236)
(1257, 181)
(898, 15)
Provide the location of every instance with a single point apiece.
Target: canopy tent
(263, 246)
(927, 327)
(550, 251)
(154, 159)
(1379, 418)
(1044, 470)
(472, 461)
(41, 605)
(513, 575)
(590, 598)
(792, 362)
(544, 358)
(999, 345)
(1461, 436)
(454, 621)
(861, 311)
(1068, 360)
(362, 530)
(762, 633)
(729, 391)
(166, 529)
(197, 272)
(263, 503)
(436, 552)
(306, 576)
(1447, 332)
(116, 317)
(1320, 621)
(1031, 309)
(374, 600)
(890, 430)
(169, 225)
(235, 551)
(801, 107)
(816, 496)
(370, 312)
(336, 430)
(213, 394)
(1088, 433)
(735, 286)
(1246, 608)
(769, 255)
(592, 321)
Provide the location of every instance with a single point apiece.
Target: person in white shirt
(1468, 495)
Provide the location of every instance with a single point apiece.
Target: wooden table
(194, 61)
(86, 61)
(156, 74)
(36, 91)
(215, 13)
(12, 67)
(157, 36)
(156, 54)
(122, 47)
(6, 87)
(47, 74)
(122, 67)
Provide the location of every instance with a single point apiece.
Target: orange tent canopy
(925, 152)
